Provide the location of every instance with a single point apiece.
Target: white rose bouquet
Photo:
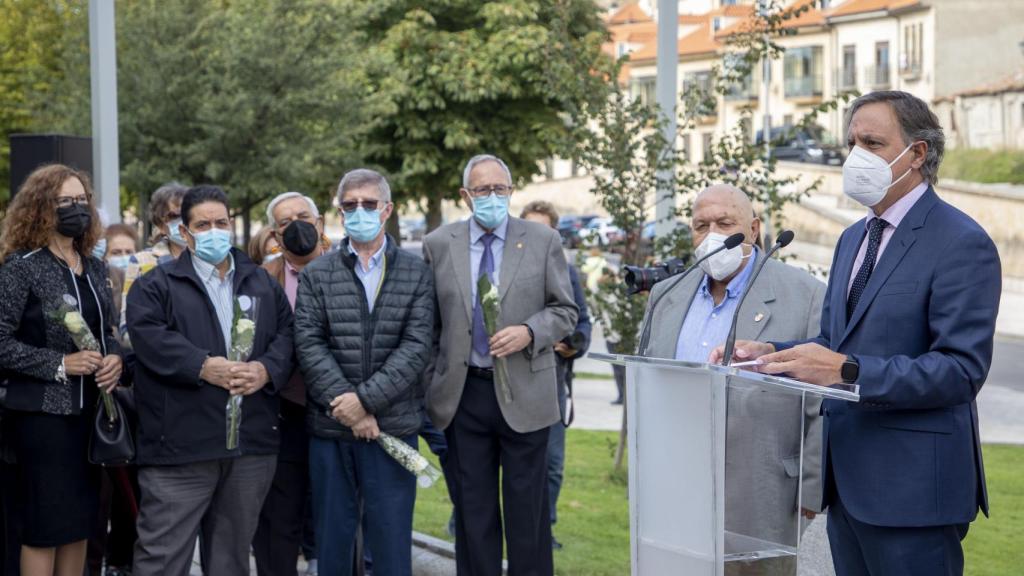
(490, 302)
(66, 312)
(243, 334)
(410, 459)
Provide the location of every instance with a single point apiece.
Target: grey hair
(287, 196)
(480, 159)
(361, 177)
(161, 199)
(917, 123)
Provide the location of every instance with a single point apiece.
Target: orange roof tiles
(700, 41)
(851, 7)
(811, 17)
(629, 14)
(1012, 83)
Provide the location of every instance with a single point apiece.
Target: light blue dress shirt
(476, 252)
(707, 325)
(220, 292)
(372, 274)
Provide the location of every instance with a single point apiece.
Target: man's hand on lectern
(744, 351)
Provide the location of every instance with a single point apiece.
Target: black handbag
(112, 443)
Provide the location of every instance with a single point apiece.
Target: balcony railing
(846, 79)
(878, 76)
(910, 71)
(804, 86)
(742, 91)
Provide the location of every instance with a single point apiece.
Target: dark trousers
(556, 440)
(479, 443)
(118, 503)
(10, 530)
(860, 549)
(224, 496)
(279, 535)
(353, 476)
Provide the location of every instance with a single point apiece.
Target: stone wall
(998, 208)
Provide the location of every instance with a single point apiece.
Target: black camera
(576, 340)
(643, 279)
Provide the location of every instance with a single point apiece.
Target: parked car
(569, 227)
(810, 145)
(600, 232)
(412, 229)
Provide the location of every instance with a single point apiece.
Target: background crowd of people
(349, 342)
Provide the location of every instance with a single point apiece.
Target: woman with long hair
(46, 243)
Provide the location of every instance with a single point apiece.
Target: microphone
(730, 343)
(729, 243)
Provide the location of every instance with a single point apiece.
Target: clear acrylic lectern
(702, 443)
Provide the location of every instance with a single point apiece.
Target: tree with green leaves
(623, 147)
(258, 96)
(454, 78)
(35, 45)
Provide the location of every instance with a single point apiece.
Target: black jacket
(33, 343)
(173, 328)
(342, 347)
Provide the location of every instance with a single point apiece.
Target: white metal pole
(103, 67)
(766, 73)
(666, 88)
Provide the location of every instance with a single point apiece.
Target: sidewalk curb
(433, 552)
(434, 545)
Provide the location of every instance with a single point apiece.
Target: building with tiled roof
(931, 48)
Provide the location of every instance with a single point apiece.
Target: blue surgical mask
(490, 211)
(100, 249)
(121, 262)
(174, 233)
(362, 225)
(213, 245)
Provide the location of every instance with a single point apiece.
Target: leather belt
(477, 372)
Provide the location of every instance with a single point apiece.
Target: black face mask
(74, 220)
(300, 238)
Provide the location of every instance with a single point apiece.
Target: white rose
(245, 325)
(74, 322)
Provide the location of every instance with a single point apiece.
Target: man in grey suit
(486, 431)
(694, 317)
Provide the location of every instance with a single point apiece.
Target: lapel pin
(519, 244)
(758, 317)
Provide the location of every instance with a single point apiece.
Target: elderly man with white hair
(694, 316)
(364, 334)
(298, 227)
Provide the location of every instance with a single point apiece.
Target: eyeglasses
(65, 201)
(499, 189)
(351, 205)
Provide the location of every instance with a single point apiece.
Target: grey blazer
(535, 291)
(784, 302)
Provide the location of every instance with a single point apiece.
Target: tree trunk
(394, 228)
(246, 225)
(433, 211)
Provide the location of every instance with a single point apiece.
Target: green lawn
(593, 519)
(995, 545)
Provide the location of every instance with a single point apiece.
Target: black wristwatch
(850, 370)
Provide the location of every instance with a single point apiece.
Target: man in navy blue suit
(909, 316)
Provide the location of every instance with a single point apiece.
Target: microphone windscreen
(734, 240)
(785, 238)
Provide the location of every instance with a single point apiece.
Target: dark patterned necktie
(861, 280)
(481, 341)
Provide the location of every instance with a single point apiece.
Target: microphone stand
(730, 343)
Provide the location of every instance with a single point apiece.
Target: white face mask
(867, 176)
(721, 265)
